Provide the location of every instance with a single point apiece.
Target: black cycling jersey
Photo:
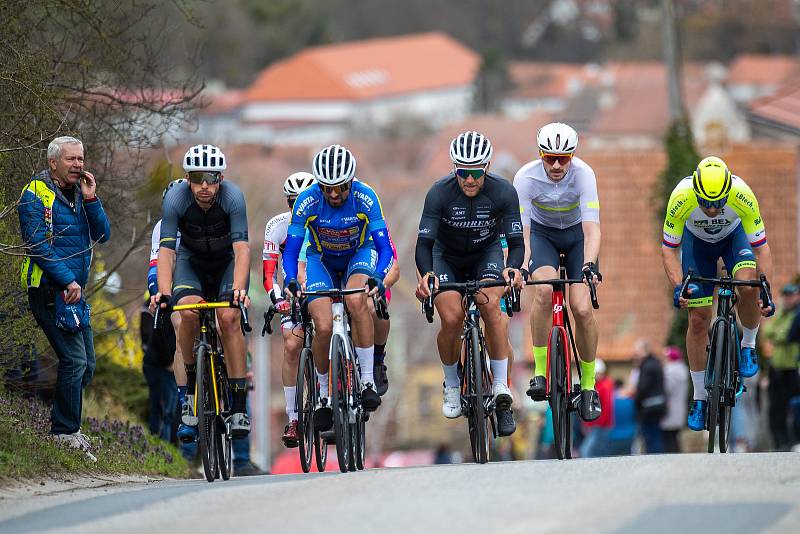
(465, 225)
(205, 233)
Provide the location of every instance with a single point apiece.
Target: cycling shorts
(486, 264)
(332, 272)
(210, 279)
(701, 256)
(547, 243)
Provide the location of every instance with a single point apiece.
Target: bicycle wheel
(717, 356)
(224, 443)
(341, 422)
(206, 415)
(478, 430)
(356, 453)
(728, 398)
(306, 388)
(360, 441)
(559, 395)
(320, 451)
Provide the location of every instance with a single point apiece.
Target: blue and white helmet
(334, 165)
(471, 148)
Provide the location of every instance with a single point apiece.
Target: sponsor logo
(744, 200)
(470, 224)
(516, 227)
(459, 212)
(557, 308)
(745, 252)
(269, 246)
(307, 202)
(491, 265)
(757, 221)
(443, 277)
(676, 207)
(424, 230)
(484, 232)
(705, 223)
(365, 198)
(670, 225)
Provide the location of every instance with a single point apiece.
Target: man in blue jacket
(61, 219)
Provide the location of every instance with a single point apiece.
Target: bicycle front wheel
(476, 413)
(306, 393)
(559, 395)
(728, 397)
(341, 422)
(206, 414)
(717, 356)
(224, 443)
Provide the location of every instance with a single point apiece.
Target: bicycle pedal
(742, 389)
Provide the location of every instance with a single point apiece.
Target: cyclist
(382, 326)
(274, 242)
(459, 240)
(721, 214)
(341, 215)
(212, 262)
(561, 215)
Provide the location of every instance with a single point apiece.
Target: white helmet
(334, 165)
(297, 182)
(172, 184)
(470, 148)
(204, 158)
(557, 138)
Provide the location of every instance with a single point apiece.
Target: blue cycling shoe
(748, 362)
(186, 433)
(697, 415)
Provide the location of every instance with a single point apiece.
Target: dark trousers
(671, 444)
(76, 361)
(652, 436)
(163, 400)
(783, 385)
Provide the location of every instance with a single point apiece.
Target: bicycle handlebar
(569, 281)
(762, 283)
(471, 287)
(243, 319)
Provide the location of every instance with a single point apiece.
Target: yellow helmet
(712, 179)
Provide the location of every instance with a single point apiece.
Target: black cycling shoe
(323, 418)
(590, 408)
(381, 380)
(370, 399)
(538, 388)
(505, 422)
(248, 469)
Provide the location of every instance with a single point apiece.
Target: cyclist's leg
(740, 262)
(318, 278)
(448, 340)
(292, 345)
(701, 257)
(543, 266)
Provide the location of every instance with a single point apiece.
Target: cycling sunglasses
(708, 204)
(551, 159)
(211, 178)
(475, 174)
(339, 189)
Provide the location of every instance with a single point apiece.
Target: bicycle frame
(341, 330)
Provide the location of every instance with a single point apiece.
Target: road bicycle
(722, 379)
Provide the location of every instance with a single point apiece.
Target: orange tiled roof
(368, 69)
(542, 80)
(783, 108)
(762, 69)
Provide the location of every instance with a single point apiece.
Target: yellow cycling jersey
(684, 212)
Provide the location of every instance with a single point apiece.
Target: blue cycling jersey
(338, 232)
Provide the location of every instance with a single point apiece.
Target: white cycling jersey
(560, 204)
(275, 234)
(155, 239)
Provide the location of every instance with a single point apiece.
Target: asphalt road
(734, 493)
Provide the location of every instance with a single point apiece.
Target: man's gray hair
(54, 148)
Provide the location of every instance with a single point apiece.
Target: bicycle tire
(728, 390)
(341, 424)
(360, 442)
(224, 442)
(478, 413)
(717, 353)
(559, 395)
(306, 389)
(206, 416)
(320, 451)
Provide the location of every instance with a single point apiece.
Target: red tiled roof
(762, 69)
(544, 80)
(368, 69)
(782, 108)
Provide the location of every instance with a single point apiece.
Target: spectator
(242, 465)
(61, 219)
(649, 397)
(596, 432)
(159, 352)
(783, 332)
(676, 391)
(622, 434)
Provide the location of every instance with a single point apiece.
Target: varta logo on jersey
(363, 197)
(744, 200)
(308, 202)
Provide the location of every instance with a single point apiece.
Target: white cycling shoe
(502, 396)
(451, 407)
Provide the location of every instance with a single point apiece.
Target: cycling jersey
(561, 204)
(467, 226)
(336, 234)
(155, 238)
(684, 212)
(204, 233)
(274, 242)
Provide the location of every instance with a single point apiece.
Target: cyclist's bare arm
(764, 260)
(241, 264)
(671, 258)
(393, 275)
(591, 241)
(166, 265)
